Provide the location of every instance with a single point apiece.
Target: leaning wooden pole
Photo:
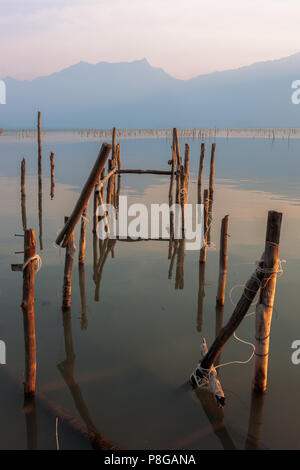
(264, 308)
(28, 312)
(223, 261)
(92, 180)
(67, 286)
(200, 172)
(23, 194)
(205, 228)
(251, 288)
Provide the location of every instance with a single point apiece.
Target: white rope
(38, 262)
(278, 272)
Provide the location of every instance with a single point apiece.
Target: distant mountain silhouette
(137, 95)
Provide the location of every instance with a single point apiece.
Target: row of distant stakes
(263, 280)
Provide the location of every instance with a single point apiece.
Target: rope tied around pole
(38, 262)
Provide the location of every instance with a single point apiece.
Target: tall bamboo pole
(251, 288)
(200, 171)
(212, 171)
(264, 308)
(23, 194)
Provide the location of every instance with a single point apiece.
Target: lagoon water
(135, 348)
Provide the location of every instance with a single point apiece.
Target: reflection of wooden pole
(179, 283)
(84, 196)
(200, 172)
(201, 295)
(66, 368)
(223, 261)
(28, 312)
(255, 421)
(52, 175)
(31, 422)
(215, 416)
(212, 171)
(264, 308)
(82, 240)
(67, 287)
(84, 320)
(205, 228)
(23, 194)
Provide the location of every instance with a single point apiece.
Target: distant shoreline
(94, 135)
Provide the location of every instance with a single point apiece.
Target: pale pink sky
(185, 38)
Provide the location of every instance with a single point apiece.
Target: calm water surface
(136, 347)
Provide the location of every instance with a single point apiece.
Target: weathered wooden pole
(251, 288)
(82, 240)
(23, 194)
(205, 228)
(28, 312)
(187, 164)
(264, 308)
(177, 147)
(67, 287)
(200, 171)
(52, 175)
(212, 171)
(223, 261)
(173, 171)
(39, 132)
(92, 180)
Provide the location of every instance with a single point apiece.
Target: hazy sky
(184, 37)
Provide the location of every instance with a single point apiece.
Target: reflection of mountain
(138, 95)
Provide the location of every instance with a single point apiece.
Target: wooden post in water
(39, 132)
(264, 308)
(23, 194)
(187, 165)
(205, 228)
(223, 261)
(92, 180)
(52, 175)
(212, 171)
(28, 312)
(251, 288)
(67, 287)
(200, 171)
(40, 194)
